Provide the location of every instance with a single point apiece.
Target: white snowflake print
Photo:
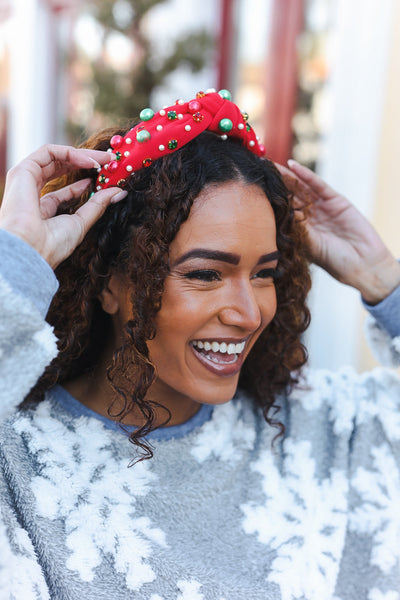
(190, 590)
(84, 483)
(383, 404)
(303, 519)
(376, 594)
(378, 513)
(228, 442)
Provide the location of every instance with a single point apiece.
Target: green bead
(143, 135)
(146, 114)
(172, 144)
(118, 155)
(171, 114)
(225, 94)
(225, 125)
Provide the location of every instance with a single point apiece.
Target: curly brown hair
(133, 238)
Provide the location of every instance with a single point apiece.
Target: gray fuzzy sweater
(217, 514)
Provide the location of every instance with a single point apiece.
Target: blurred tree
(121, 93)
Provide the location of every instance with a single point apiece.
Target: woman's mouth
(222, 358)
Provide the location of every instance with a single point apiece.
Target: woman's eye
(269, 274)
(203, 275)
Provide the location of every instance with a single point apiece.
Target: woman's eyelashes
(203, 275)
(275, 273)
(210, 275)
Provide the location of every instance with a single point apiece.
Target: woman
(179, 319)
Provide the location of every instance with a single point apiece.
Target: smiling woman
(209, 240)
(180, 307)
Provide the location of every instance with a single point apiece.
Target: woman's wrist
(378, 283)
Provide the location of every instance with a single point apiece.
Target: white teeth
(222, 347)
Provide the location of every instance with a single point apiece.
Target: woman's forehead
(230, 213)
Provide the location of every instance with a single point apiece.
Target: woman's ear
(110, 297)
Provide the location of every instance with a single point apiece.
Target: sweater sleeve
(382, 329)
(27, 342)
(21, 575)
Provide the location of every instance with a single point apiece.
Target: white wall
(360, 55)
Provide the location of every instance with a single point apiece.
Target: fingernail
(119, 196)
(96, 165)
(292, 162)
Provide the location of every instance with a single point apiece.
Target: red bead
(113, 166)
(116, 141)
(147, 162)
(198, 117)
(200, 95)
(194, 106)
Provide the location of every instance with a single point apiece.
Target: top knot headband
(171, 128)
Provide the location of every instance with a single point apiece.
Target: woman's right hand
(33, 218)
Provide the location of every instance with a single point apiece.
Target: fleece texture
(219, 513)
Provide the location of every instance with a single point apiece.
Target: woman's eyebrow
(228, 257)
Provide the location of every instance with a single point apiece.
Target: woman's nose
(241, 308)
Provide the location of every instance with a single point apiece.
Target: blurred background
(320, 80)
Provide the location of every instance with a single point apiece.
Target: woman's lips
(220, 358)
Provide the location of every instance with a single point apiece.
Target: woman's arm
(33, 241)
(33, 218)
(342, 241)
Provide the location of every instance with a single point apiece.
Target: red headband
(171, 128)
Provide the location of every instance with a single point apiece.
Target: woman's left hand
(342, 241)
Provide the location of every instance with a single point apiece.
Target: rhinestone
(121, 182)
(171, 114)
(172, 144)
(200, 95)
(147, 162)
(198, 117)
